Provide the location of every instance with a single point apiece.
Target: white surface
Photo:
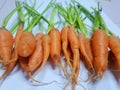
(17, 81)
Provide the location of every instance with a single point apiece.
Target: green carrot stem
(85, 11)
(7, 18)
(13, 29)
(31, 25)
(102, 22)
(81, 24)
(52, 19)
(20, 12)
(34, 12)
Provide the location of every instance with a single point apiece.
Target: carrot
(37, 56)
(99, 43)
(55, 49)
(74, 44)
(16, 40)
(75, 78)
(33, 61)
(114, 45)
(64, 39)
(26, 44)
(46, 52)
(9, 68)
(6, 44)
(39, 36)
(85, 48)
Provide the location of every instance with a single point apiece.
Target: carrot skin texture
(39, 36)
(55, 46)
(26, 45)
(74, 44)
(37, 56)
(100, 51)
(46, 52)
(114, 45)
(85, 49)
(6, 44)
(64, 39)
(9, 68)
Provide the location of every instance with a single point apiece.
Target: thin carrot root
(90, 78)
(75, 78)
(9, 68)
(39, 83)
(81, 86)
(64, 71)
(70, 79)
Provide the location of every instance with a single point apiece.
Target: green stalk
(14, 27)
(82, 26)
(85, 11)
(62, 11)
(20, 12)
(7, 18)
(104, 27)
(99, 22)
(34, 12)
(32, 24)
(52, 19)
(96, 21)
(40, 26)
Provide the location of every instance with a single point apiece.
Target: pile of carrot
(73, 42)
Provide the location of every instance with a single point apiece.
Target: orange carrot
(26, 44)
(37, 56)
(100, 51)
(64, 39)
(55, 49)
(85, 49)
(39, 36)
(6, 44)
(114, 45)
(34, 60)
(9, 68)
(74, 44)
(46, 52)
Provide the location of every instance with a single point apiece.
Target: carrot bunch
(32, 52)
